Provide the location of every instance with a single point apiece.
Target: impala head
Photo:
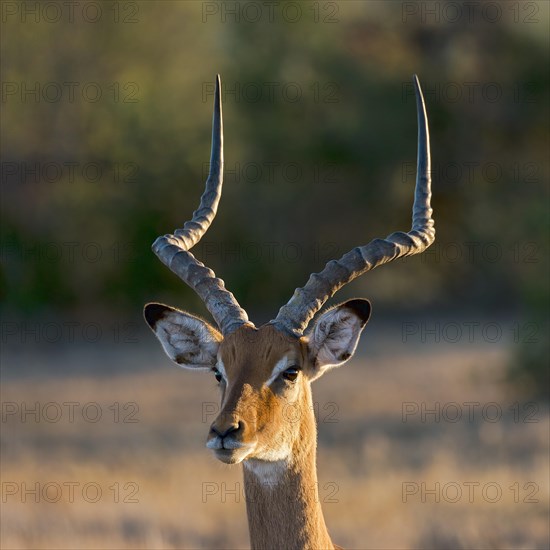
(264, 373)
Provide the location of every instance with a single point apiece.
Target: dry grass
(364, 457)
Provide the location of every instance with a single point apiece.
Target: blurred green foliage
(351, 135)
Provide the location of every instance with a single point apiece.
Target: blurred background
(105, 143)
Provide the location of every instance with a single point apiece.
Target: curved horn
(173, 250)
(304, 304)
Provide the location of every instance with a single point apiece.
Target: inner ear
(334, 337)
(187, 340)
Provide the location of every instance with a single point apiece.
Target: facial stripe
(221, 368)
(281, 366)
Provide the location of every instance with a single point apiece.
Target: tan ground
(367, 455)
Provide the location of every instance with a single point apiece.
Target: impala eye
(291, 374)
(218, 375)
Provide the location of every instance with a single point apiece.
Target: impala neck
(282, 498)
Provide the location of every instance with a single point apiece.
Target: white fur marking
(267, 473)
(281, 366)
(221, 368)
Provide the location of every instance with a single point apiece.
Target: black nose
(228, 429)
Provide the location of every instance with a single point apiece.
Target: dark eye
(218, 375)
(291, 374)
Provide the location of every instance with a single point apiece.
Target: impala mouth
(229, 450)
(231, 456)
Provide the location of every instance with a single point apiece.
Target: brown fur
(266, 419)
(285, 513)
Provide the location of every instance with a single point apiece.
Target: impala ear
(187, 340)
(333, 338)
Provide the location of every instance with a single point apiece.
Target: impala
(263, 370)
